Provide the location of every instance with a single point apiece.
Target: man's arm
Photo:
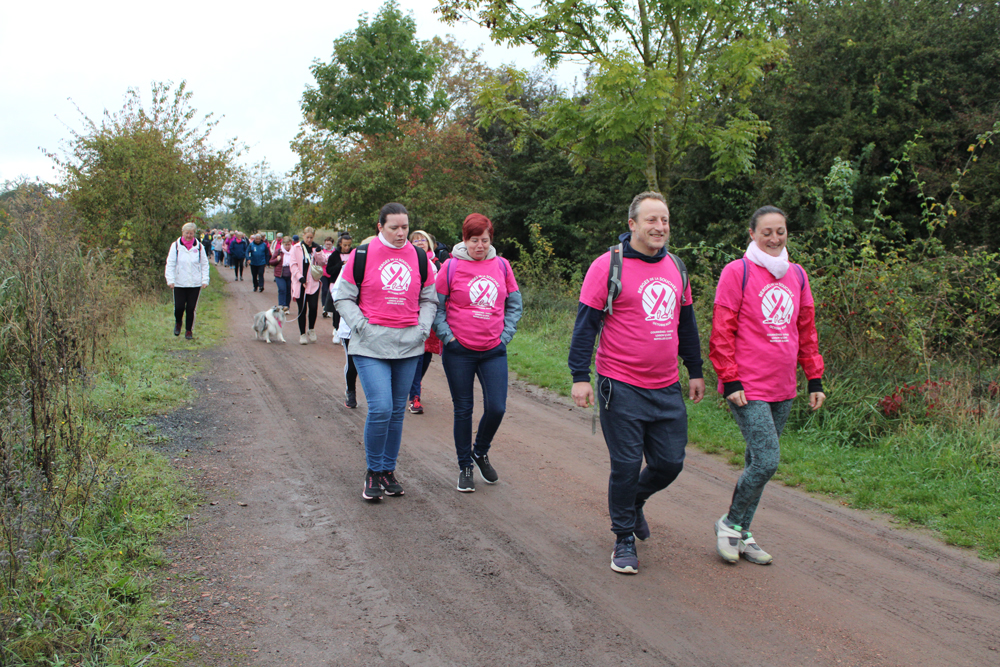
(581, 348)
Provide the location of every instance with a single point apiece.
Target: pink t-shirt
(639, 341)
(767, 340)
(476, 294)
(390, 291)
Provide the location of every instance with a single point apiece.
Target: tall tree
(380, 74)
(666, 76)
(137, 175)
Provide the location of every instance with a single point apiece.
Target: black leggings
(350, 371)
(185, 300)
(307, 305)
(237, 267)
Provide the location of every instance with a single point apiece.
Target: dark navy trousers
(640, 423)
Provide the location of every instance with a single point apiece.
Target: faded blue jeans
(385, 382)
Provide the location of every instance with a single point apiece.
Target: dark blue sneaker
(624, 558)
(641, 527)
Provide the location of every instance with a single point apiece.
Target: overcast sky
(248, 65)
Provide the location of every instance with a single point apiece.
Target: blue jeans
(284, 291)
(637, 423)
(461, 366)
(419, 373)
(384, 382)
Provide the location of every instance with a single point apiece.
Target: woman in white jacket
(186, 274)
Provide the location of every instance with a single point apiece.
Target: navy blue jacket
(238, 249)
(259, 254)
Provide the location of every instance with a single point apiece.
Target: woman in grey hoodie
(389, 306)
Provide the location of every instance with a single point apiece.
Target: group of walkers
(395, 297)
(396, 300)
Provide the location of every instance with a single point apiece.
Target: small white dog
(268, 324)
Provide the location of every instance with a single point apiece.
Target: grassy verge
(89, 598)
(940, 473)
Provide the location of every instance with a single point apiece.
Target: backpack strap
(360, 259)
(614, 277)
(679, 263)
(422, 265)
(802, 277)
(451, 272)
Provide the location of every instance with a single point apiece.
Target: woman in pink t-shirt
(479, 307)
(389, 307)
(762, 325)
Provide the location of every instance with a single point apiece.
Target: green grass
(148, 366)
(941, 474)
(94, 604)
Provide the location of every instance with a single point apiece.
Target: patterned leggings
(761, 424)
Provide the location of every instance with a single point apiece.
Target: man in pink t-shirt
(650, 324)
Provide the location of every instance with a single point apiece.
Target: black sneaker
(641, 527)
(177, 331)
(389, 483)
(485, 469)
(373, 486)
(624, 558)
(466, 484)
(352, 399)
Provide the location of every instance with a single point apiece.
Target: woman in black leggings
(186, 274)
(305, 288)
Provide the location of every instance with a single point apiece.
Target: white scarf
(386, 243)
(777, 266)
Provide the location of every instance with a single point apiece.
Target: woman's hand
(816, 400)
(737, 398)
(170, 285)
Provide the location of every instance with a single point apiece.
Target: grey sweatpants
(761, 424)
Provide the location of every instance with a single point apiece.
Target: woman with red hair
(479, 307)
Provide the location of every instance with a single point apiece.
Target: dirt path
(306, 573)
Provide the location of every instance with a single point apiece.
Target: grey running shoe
(485, 469)
(624, 558)
(727, 539)
(750, 550)
(641, 527)
(466, 484)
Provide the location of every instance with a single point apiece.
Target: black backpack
(615, 275)
(361, 259)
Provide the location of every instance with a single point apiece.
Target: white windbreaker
(187, 268)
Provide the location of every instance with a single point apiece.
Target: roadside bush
(63, 487)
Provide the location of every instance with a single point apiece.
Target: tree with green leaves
(140, 173)
(666, 76)
(380, 74)
(440, 173)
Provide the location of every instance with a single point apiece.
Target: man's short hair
(633, 209)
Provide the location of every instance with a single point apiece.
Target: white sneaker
(727, 541)
(303, 340)
(750, 550)
(312, 335)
